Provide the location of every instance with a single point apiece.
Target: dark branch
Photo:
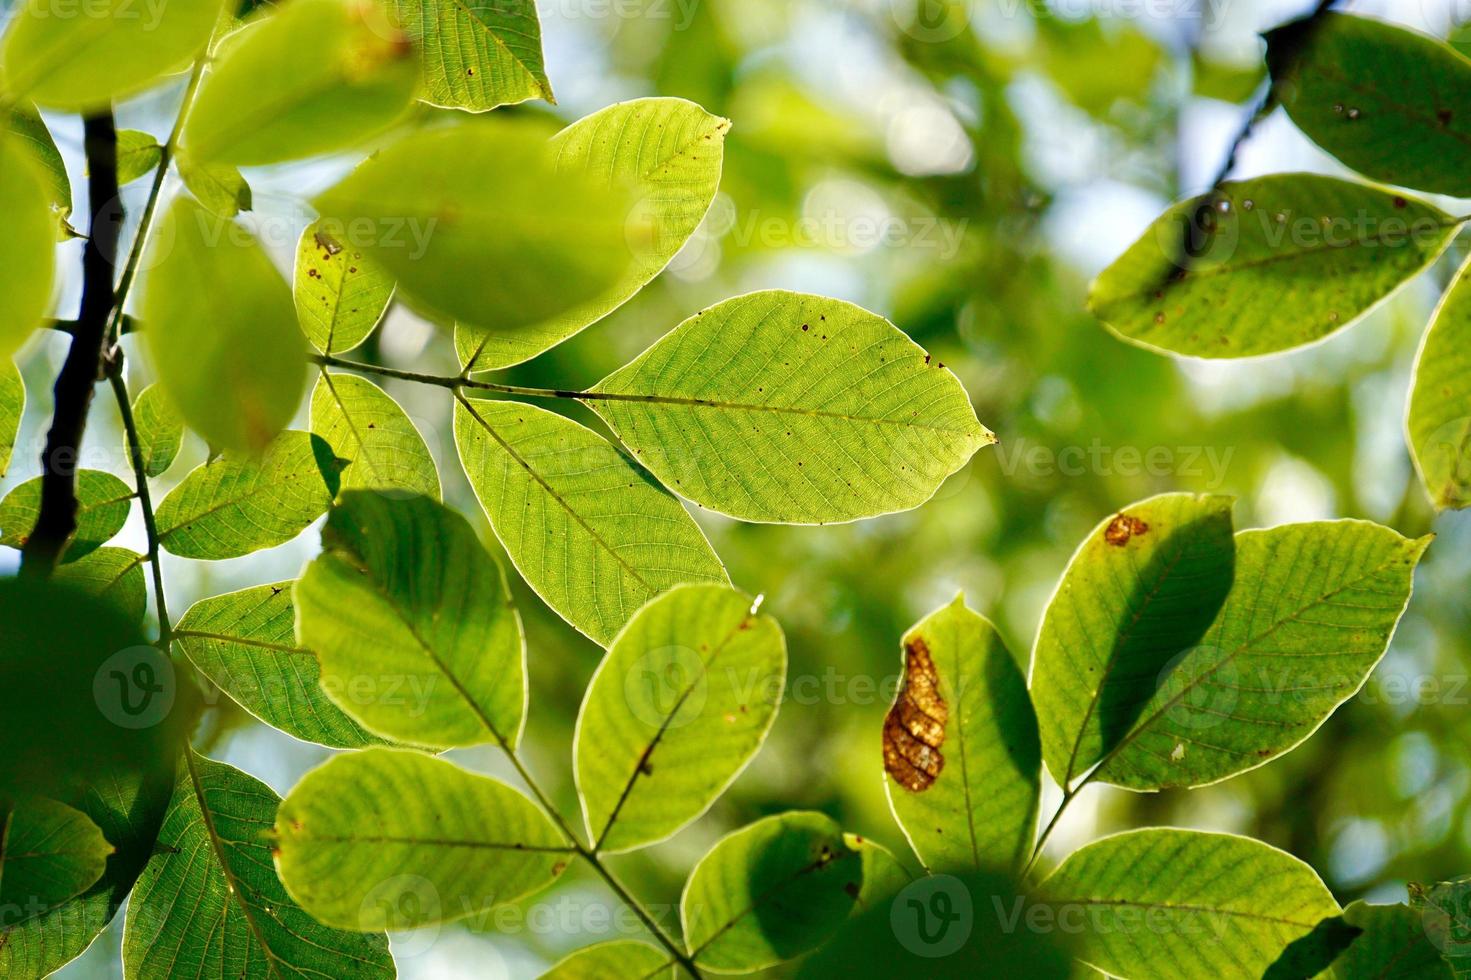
(57, 521)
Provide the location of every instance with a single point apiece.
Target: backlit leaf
(304, 78)
(49, 852)
(239, 503)
(678, 707)
(388, 838)
(366, 427)
(209, 902)
(102, 53)
(219, 187)
(12, 407)
(160, 429)
(113, 574)
(486, 197)
(1391, 103)
(790, 408)
(341, 294)
(476, 54)
(137, 155)
(1266, 265)
(960, 746)
(27, 126)
(222, 330)
(245, 643)
(587, 529)
(769, 892)
(27, 249)
(103, 502)
(670, 152)
(1181, 904)
(403, 590)
(617, 958)
(1439, 422)
(1310, 613)
(1143, 587)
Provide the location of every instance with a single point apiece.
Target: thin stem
(453, 383)
(155, 192)
(140, 476)
(1068, 795)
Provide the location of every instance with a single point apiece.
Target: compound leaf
(389, 838)
(366, 427)
(341, 294)
(789, 408)
(110, 50)
(309, 77)
(238, 503)
(1249, 898)
(670, 152)
(209, 902)
(1310, 613)
(1141, 589)
(1266, 265)
(486, 197)
(1390, 102)
(49, 852)
(476, 54)
(245, 643)
(222, 330)
(403, 589)
(960, 745)
(770, 891)
(586, 528)
(114, 574)
(1439, 420)
(160, 429)
(678, 707)
(103, 502)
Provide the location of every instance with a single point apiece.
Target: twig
(145, 501)
(57, 520)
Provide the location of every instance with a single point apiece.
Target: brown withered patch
(915, 727)
(1122, 528)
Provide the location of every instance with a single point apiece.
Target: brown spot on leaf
(1122, 528)
(915, 727)
(1445, 116)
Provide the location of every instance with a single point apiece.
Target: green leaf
(618, 958)
(103, 504)
(960, 747)
(1391, 103)
(137, 155)
(341, 294)
(12, 407)
(1143, 587)
(1314, 953)
(222, 330)
(588, 530)
(1291, 259)
(670, 152)
(105, 53)
(1439, 420)
(26, 124)
(366, 427)
(1310, 613)
(475, 54)
(219, 187)
(1248, 899)
(128, 808)
(675, 711)
(305, 78)
(388, 838)
(27, 249)
(114, 574)
(245, 643)
(160, 429)
(769, 892)
(795, 409)
(1442, 911)
(209, 903)
(1393, 946)
(487, 197)
(404, 593)
(49, 852)
(237, 503)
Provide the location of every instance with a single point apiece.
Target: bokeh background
(965, 169)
